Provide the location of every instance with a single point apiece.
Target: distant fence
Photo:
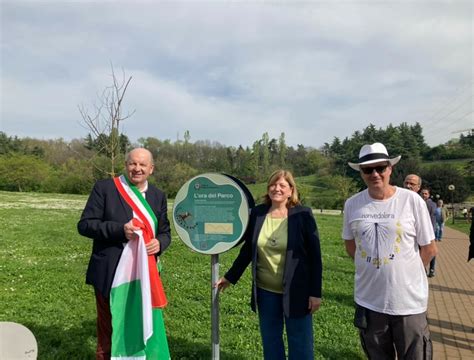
(327, 212)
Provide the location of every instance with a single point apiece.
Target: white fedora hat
(370, 154)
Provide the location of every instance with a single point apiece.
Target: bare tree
(105, 118)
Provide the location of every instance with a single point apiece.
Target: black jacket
(103, 219)
(302, 275)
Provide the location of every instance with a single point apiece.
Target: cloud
(229, 72)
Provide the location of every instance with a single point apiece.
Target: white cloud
(230, 71)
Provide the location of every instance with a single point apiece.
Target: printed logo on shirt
(378, 242)
(379, 215)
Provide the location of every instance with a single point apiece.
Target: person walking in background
(470, 254)
(412, 182)
(431, 205)
(441, 215)
(127, 219)
(388, 232)
(282, 244)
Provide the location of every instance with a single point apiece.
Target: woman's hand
(313, 304)
(222, 284)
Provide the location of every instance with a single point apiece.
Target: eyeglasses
(379, 169)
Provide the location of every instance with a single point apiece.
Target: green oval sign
(210, 213)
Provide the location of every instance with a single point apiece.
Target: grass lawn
(42, 270)
(459, 224)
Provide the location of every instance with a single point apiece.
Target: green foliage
(174, 177)
(25, 146)
(461, 149)
(72, 177)
(402, 140)
(105, 144)
(22, 172)
(460, 225)
(43, 262)
(439, 177)
(73, 167)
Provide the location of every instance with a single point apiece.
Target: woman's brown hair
(293, 200)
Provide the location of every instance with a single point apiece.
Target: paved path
(451, 304)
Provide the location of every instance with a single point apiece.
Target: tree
(282, 150)
(9, 144)
(439, 177)
(317, 163)
(243, 165)
(403, 168)
(73, 177)
(345, 187)
(265, 154)
(255, 162)
(22, 172)
(104, 122)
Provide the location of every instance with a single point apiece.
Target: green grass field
(461, 225)
(42, 270)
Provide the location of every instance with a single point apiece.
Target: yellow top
(271, 252)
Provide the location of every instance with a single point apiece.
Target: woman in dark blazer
(282, 243)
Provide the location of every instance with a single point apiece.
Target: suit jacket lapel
(152, 200)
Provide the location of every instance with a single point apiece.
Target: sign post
(210, 214)
(451, 188)
(215, 307)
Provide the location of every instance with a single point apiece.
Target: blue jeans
(299, 331)
(439, 230)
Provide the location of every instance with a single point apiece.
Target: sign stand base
(215, 306)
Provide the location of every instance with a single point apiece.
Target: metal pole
(215, 307)
(452, 203)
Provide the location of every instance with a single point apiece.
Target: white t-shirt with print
(390, 277)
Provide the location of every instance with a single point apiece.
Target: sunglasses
(379, 169)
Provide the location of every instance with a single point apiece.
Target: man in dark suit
(107, 219)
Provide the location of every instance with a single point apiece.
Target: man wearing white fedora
(388, 232)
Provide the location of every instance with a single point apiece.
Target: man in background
(412, 182)
(431, 205)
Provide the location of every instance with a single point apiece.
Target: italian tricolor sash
(137, 295)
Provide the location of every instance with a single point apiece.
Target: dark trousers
(104, 327)
(432, 265)
(390, 337)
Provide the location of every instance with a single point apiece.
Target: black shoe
(431, 273)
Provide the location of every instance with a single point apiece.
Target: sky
(229, 71)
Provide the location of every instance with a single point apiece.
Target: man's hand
(153, 247)
(129, 229)
(427, 252)
(350, 247)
